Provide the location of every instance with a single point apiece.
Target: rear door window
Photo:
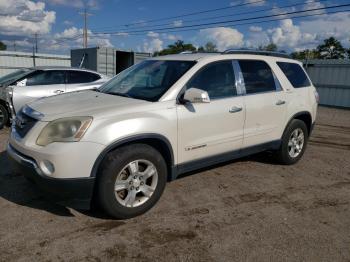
(77, 77)
(295, 74)
(217, 79)
(258, 76)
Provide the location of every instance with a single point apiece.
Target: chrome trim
(240, 87)
(21, 159)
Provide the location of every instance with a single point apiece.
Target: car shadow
(266, 157)
(16, 189)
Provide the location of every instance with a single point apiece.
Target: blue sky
(59, 25)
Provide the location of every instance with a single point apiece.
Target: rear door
(208, 129)
(265, 103)
(81, 80)
(38, 84)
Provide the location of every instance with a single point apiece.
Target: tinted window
(76, 77)
(217, 79)
(46, 78)
(295, 74)
(14, 76)
(258, 76)
(147, 80)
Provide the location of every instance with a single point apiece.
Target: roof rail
(256, 52)
(187, 52)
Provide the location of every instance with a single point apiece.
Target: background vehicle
(161, 118)
(26, 85)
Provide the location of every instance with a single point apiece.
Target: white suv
(160, 118)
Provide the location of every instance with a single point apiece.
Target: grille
(23, 123)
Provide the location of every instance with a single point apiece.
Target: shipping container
(332, 80)
(106, 60)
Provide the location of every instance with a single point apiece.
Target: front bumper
(71, 192)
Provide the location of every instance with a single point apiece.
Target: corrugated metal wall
(11, 61)
(332, 80)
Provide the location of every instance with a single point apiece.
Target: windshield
(148, 80)
(14, 76)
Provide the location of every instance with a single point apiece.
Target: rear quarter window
(295, 74)
(77, 77)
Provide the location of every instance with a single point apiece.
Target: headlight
(70, 129)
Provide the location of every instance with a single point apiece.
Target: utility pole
(36, 42)
(85, 33)
(14, 46)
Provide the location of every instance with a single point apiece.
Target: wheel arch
(304, 116)
(159, 142)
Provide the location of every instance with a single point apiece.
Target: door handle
(280, 102)
(235, 109)
(58, 91)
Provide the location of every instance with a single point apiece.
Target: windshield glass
(14, 76)
(148, 80)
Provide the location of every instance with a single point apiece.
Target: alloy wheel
(136, 183)
(296, 143)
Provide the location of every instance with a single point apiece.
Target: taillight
(317, 97)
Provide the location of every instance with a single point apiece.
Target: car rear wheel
(4, 116)
(131, 180)
(294, 142)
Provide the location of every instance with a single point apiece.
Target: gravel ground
(246, 210)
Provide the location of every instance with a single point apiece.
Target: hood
(82, 103)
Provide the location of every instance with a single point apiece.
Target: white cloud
(152, 34)
(24, 17)
(177, 23)
(222, 37)
(255, 29)
(171, 37)
(153, 45)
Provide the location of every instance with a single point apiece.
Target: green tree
(272, 47)
(176, 48)
(331, 49)
(2, 46)
(306, 54)
(209, 47)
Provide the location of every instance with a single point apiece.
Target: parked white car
(26, 85)
(160, 118)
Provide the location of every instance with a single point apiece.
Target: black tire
(4, 116)
(113, 164)
(282, 155)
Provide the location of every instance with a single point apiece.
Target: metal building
(105, 60)
(332, 80)
(11, 61)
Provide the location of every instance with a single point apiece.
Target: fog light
(47, 167)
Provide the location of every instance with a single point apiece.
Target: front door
(207, 129)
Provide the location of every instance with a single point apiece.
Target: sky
(151, 25)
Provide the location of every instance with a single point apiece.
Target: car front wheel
(131, 180)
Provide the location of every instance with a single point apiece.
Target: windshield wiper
(119, 94)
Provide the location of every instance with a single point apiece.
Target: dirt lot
(247, 210)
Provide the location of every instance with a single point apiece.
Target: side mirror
(195, 95)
